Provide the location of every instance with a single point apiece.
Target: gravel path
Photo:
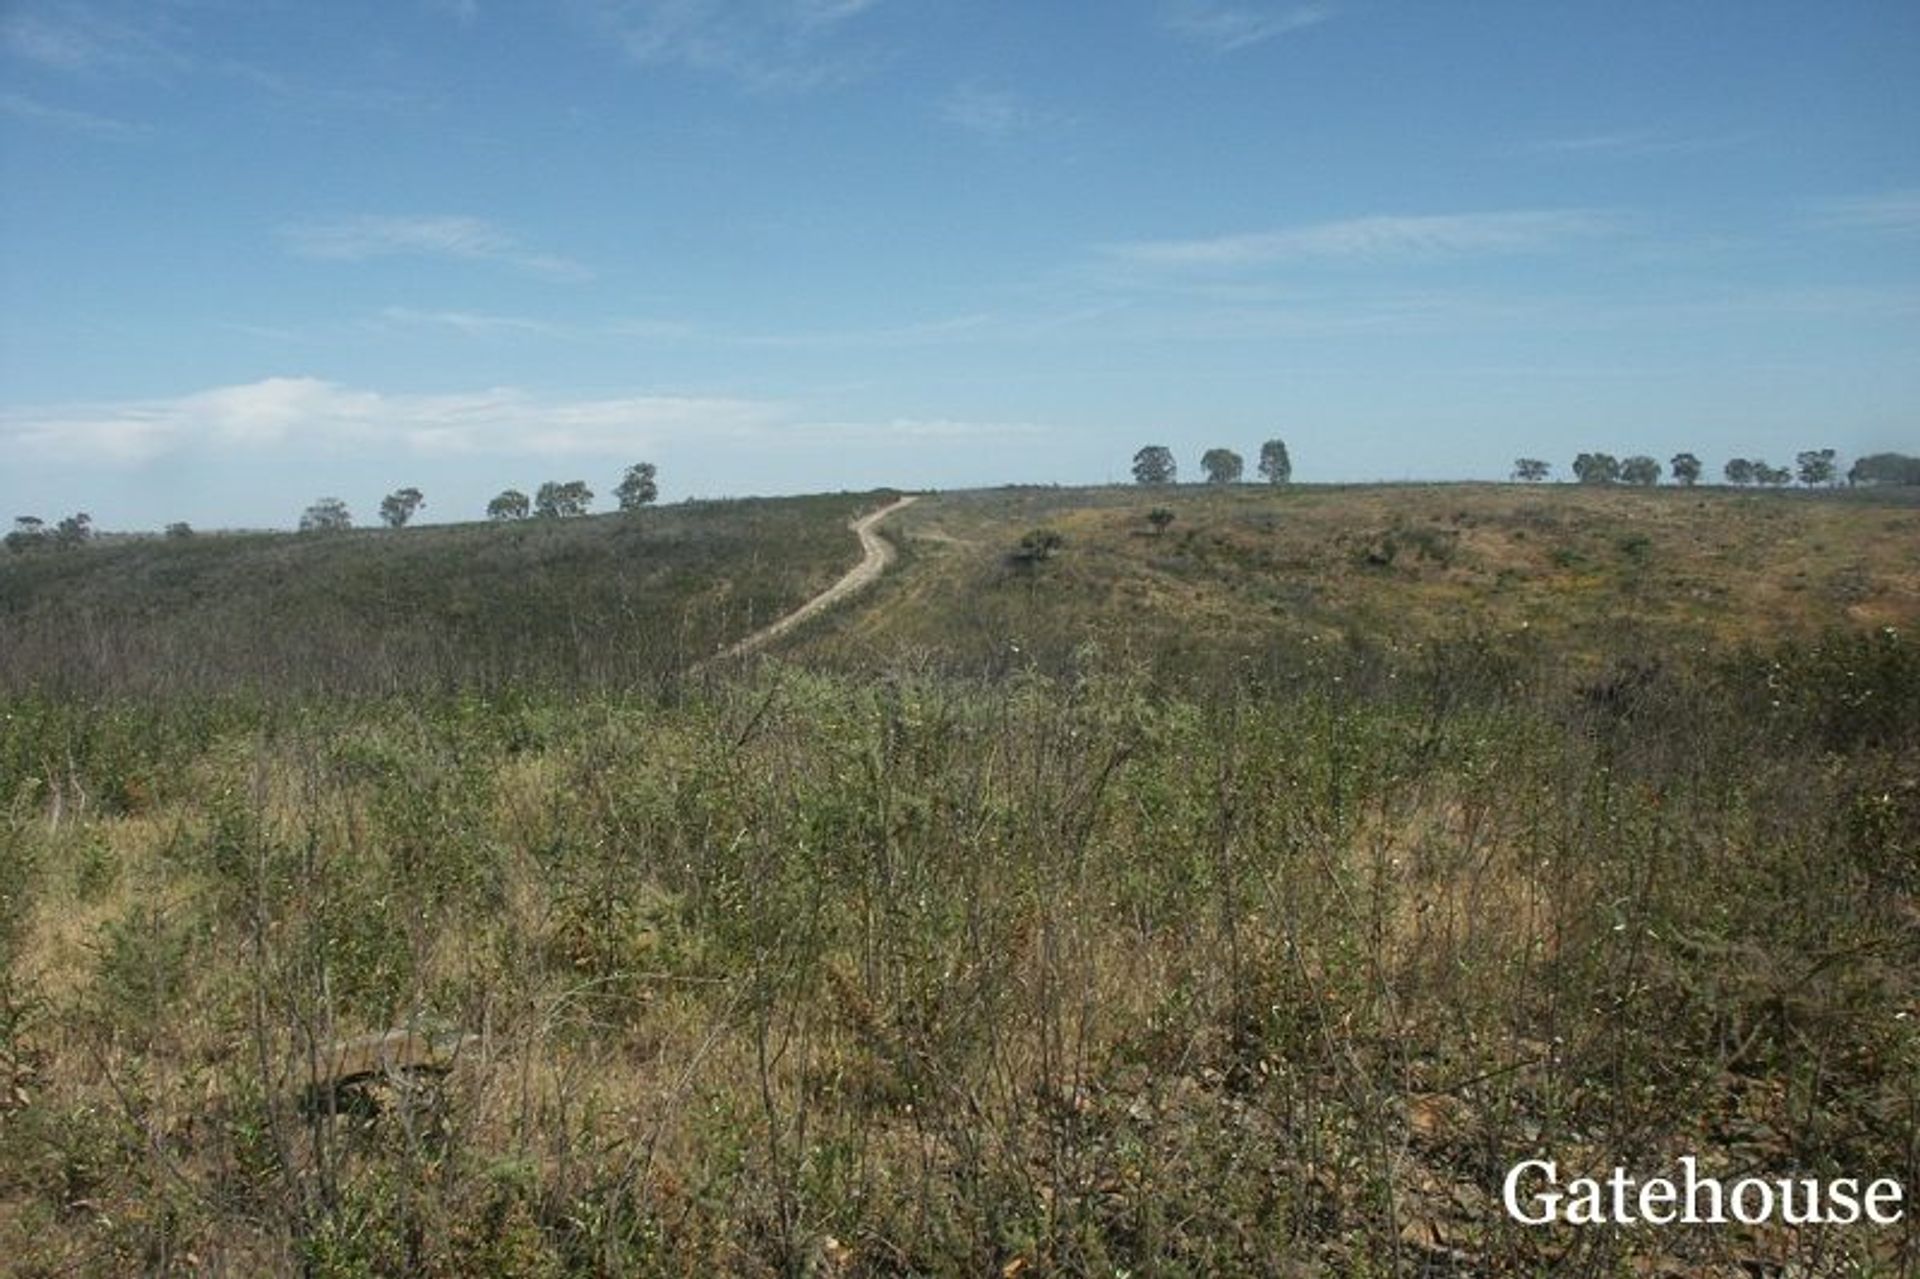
(878, 554)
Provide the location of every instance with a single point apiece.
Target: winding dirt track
(878, 554)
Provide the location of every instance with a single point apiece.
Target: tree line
(639, 487)
(1155, 464)
(556, 499)
(1815, 468)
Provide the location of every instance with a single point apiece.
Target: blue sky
(257, 251)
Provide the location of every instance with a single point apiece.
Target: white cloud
(1895, 211)
(309, 415)
(451, 236)
(266, 412)
(25, 108)
(1227, 28)
(769, 46)
(1383, 237)
(290, 418)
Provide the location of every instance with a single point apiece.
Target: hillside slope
(597, 601)
(1584, 572)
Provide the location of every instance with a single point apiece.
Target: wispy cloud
(1632, 144)
(472, 323)
(768, 46)
(1891, 211)
(464, 12)
(149, 41)
(411, 99)
(448, 236)
(824, 13)
(1228, 28)
(941, 331)
(1383, 237)
(75, 37)
(99, 126)
(913, 333)
(925, 430)
(990, 112)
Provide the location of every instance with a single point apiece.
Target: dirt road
(878, 554)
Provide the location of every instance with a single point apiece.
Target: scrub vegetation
(594, 602)
(1242, 893)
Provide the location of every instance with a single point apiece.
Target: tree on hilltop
(562, 501)
(509, 505)
(637, 487)
(1885, 468)
(1596, 468)
(1154, 464)
(1816, 466)
(29, 532)
(75, 530)
(328, 515)
(1640, 469)
(1686, 469)
(397, 507)
(1739, 470)
(1223, 466)
(1531, 470)
(1275, 466)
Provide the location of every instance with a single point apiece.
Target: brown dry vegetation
(1245, 942)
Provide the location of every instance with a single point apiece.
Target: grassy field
(1237, 900)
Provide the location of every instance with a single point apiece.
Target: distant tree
(1275, 466)
(1223, 466)
(637, 487)
(562, 501)
(1773, 476)
(1596, 468)
(1686, 469)
(179, 531)
(397, 507)
(1154, 464)
(1530, 469)
(1739, 471)
(1640, 469)
(1159, 517)
(328, 515)
(1816, 466)
(75, 530)
(29, 533)
(510, 505)
(1039, 545)
(1885, 468)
